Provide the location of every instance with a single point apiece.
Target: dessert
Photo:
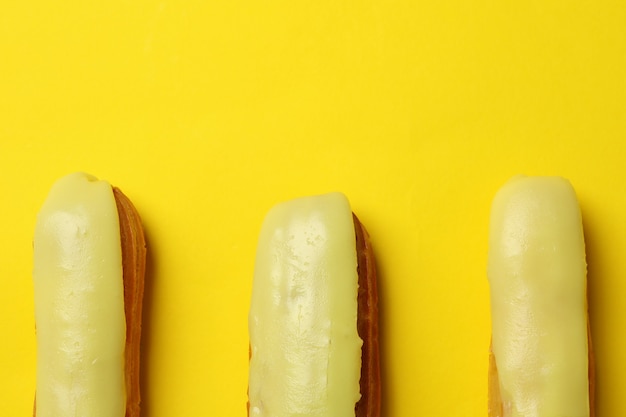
(540, 362)
(313, 318)
(89, 266)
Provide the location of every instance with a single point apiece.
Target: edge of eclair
(367, 325)
(134, 268)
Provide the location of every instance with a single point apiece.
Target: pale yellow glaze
(537, 274)
(79, 302)
(306, 352)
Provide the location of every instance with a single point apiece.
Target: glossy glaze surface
(79, 301)
(305, 350)
(537, 275)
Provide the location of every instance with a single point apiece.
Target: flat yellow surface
(208, 113)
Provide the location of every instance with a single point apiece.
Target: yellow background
(208, 113)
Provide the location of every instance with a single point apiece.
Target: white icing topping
(306, 352)
(79, 302)
(537, 275)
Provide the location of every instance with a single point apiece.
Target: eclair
(541, 362)
(88, 274)
(313, 320)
